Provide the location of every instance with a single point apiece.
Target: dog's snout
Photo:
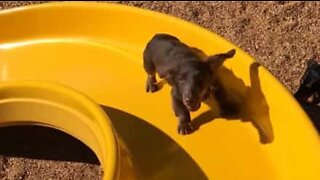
(191, 103)
(189, 100)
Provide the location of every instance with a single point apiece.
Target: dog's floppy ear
(217, 60)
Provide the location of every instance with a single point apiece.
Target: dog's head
(194, 79)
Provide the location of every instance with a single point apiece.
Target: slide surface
(96, 49)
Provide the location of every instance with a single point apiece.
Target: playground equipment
(77, 67)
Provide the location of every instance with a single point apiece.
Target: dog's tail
(217, 60)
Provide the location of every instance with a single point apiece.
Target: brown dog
(192, 79)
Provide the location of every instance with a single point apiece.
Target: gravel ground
(281, 35)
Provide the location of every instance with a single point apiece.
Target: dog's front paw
(185, 128)
(151, 84)
(151, 87)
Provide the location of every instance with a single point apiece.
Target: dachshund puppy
(192, 79)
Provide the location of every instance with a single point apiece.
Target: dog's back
(166, 51)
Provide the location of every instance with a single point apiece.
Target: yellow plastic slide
(77, 67)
